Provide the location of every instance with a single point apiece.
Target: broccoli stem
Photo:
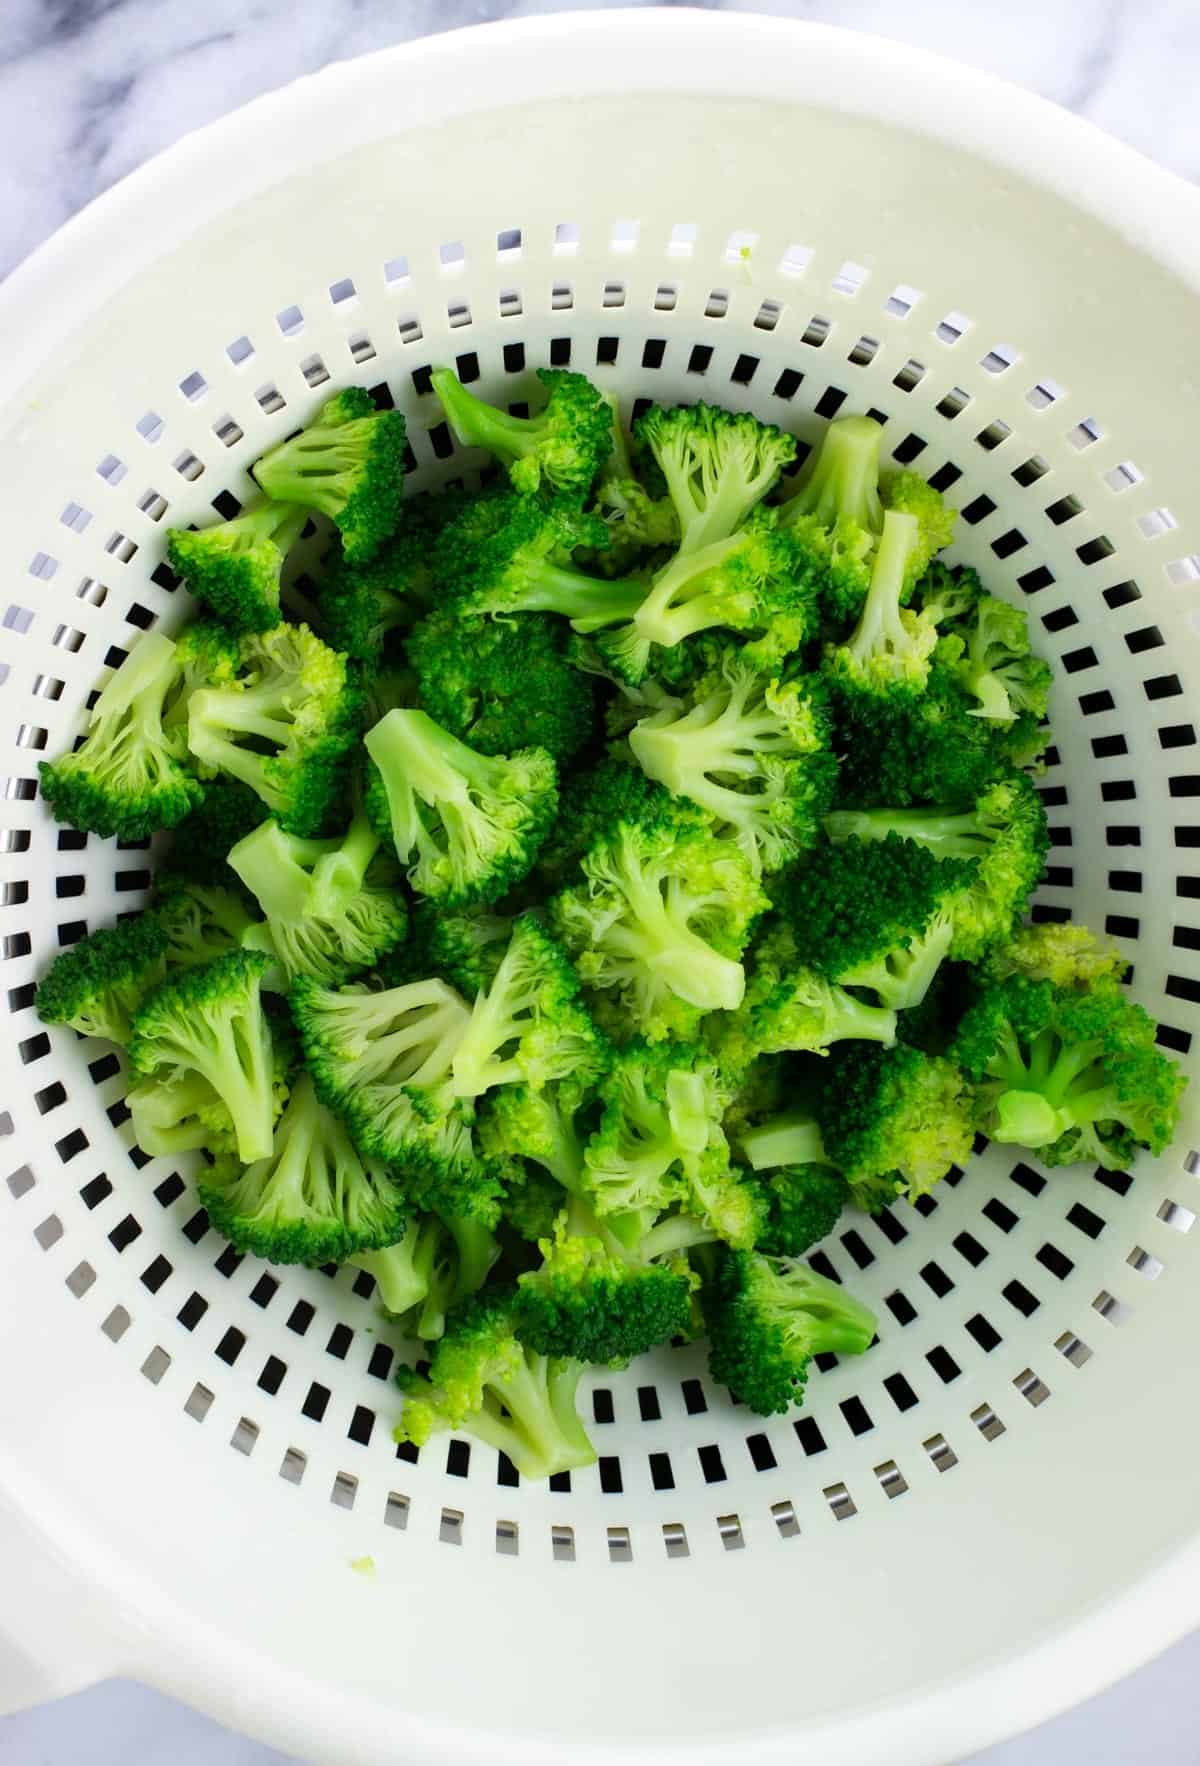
(402, 1271)
(476, 424)
(678, 1232)
(659, 938)
(319, 468)
(841, 478)
(590, 603)
(277, 869)
(881, 630)
(948, 833)
(678, 604)
(542, 1433)
(791, 1138)
(1027, 1119)
(1060, 1087)
(855, 1021)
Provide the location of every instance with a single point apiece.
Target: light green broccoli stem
(903, 976)
(884, 629)
(294, 879)
(675, 1233)
(320, 468)
(841, 478)
(480, 425)
(403, 1272)
(681, 600)
(542, 1432)
(788, 1139)
(590, 603)
(813, 1314)
(948, 833)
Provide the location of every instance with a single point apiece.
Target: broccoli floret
(534, 1202)
(349, 465)
(234, 568)
(284, 727)
(887, 655)
(467, 826)
(434, 1267)
(360, 605)
(1071, 1072)
(382, 1059)
(803, 1196)
(529, 1027)
(1005, 833)
(501, 685)
(200, 922)
(561, 449)
(949, 592)
(465, 945)
(834, 513)
(542, 1126)
(661, 918)
(483, 1382)
(200, 844)
(907, 493)
(989, 653)
(716, 466)
(593, 802)
(767, 1317)
(893, 1120)
(1063, 954)
(753, 752)
(592, 1301)
(637, 520)
(803, 1205)
(329, 910)
(179, 1114)
(509, 554)
(211, 1021)
(130, 776)
(312, 1199)
(97, 985)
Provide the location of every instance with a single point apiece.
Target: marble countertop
(89, 89)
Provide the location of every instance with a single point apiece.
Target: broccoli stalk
(434, 1267)
(889, 651)
(130, 776)
(348, 464)
(179, 1114)
(97, 985)
(482, 1382)
(210, 1021)
(234, 567)
(791, 1138)
(840, 479)
(467, 825)
(562, 448)
(767, 1317)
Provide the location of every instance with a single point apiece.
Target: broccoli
(893, 1120)
(482, 1382)
(637, 522)
(179, 1114)
(507, 554)
(130, 776)
(751, 751)
(834, 514)
(311, 1199)
(1070, 1071)
(990, 655)
(360, 605)
(382, 1059)
(887, 656)
(716, 465)
(529, 1027)
(593, 802)
(384, 690)
(767, 1317)
(211, 1021)
(535, 1200)
(802, 1195)
(907, 493)
(1059, 953)
(200, 843)
(542, 1126)
(949, 592)
(348, 464)
(465, 945)
(792, 1137)
(561, 449)
(284, 727)
(200, 922)
(501, 685)
(328, 911)
(1004, 832)
(234, 568)
(662, 917)
(97, 985)
(435, 1266)
(467, 826)
(592, 1300)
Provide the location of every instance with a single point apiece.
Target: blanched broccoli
(348, 464)
(482, 1382)
(97, 985)
(501, 684)
(716, 465)
(130, 775)
(661, 919)
(468, 826)
(637, 521)
(990, 654)
(312, 1199)
(211, 1021)
(907, 493)
(752, 751)
(893, 1120)
(1070, 1071)
(200, 922)
(465, 945)
(330, 907)
(234, 568)
(179, 1114)
(285, 726)
(767, 1317)
(201, 842)
(361, 605)
(593, 802)
(834, 513)
(433, 1268)
(803, 1195)
(888, 653)
(560, 449)
(1063, 954)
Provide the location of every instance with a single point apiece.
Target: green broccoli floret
(211, 1021)
(802, 1193)
(199, 845)
(97, 985)
(234, 568)
(529, 1028)
(330, 907)
(467, 826)
(384, 690)
(501, 684)
(1005, 833)
(130, 776)
(312, 1199)
(465, 945)
(360, 605)
(893, 1120)
(200, 922)
(887, 655)
(433, 1268)
(348, 464)
(716, 465)
(753, 752)
(834, 513)
(534, 1201)
(560, 449)
(284, 727)
(593, 1301)
(179, 1114)
(1061, 953)
(382, 1059)
(989, 652)
(907, 493)
(1071, 1072)
(593, 802)
(949, 592)
(509, 554)
(661, 918)
(767, 1317)
(482, 1382)
(637, 521)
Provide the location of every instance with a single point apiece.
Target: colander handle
(55, 1637)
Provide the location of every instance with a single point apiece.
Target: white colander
(995, 1510)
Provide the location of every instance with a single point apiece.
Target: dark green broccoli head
(561, 448)
(593, 802)
(804, 1203)
(226, 813)
(501, 685)
(767, 1317)
(894, 1114)
(589, 1302)
(234, 568)
(465, 945)
(348, 464)
(97, 985)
